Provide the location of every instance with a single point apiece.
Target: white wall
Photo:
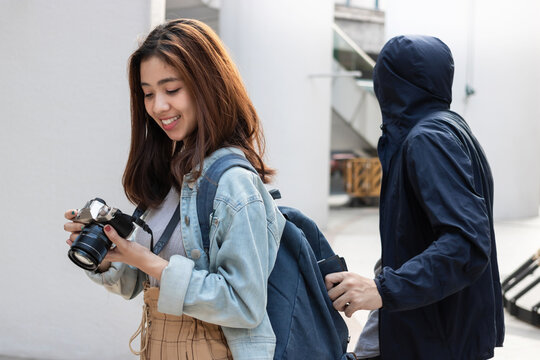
(278, 45)
(65, 114)
(496, 50)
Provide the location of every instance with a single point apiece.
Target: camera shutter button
(195, 254)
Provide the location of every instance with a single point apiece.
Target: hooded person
(439, 290)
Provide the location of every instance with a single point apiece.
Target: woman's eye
(173, 91)
(146, 96)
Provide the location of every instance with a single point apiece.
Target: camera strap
(166, 236)
(136, 218)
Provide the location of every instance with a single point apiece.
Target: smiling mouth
(170, 120)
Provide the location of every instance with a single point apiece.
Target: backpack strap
(208, 187)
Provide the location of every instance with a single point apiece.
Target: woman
(189, 108)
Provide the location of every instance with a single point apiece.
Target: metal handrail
(376, 5)
(341, 74)
(353, 45)
(530, 315)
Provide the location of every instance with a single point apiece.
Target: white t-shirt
(157, 219)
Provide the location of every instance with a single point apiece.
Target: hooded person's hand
(351, 292)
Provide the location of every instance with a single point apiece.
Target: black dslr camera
(91, 246)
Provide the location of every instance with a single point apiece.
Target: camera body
(92, 244)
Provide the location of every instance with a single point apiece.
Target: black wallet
(332, 264)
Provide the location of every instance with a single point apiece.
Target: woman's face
(166, 99)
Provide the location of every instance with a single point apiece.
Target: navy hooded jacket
(440, 280)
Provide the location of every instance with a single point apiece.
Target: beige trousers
(170, 337)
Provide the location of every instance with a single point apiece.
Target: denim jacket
(228, 287)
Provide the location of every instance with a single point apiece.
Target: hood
(413, 77)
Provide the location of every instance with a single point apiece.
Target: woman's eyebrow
(162, 81)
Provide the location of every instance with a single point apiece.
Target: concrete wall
(496, 51)
(278, 46)
(207, 11)
(343, 137)
(364, 26)
(66, 124)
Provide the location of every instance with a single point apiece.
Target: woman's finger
(74, 236)
(73, 227)
(70, 214)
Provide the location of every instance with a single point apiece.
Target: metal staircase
(353, 100)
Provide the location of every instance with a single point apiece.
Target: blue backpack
(304, 321)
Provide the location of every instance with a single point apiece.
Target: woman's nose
(160, 104)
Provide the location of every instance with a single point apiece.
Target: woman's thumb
(111, 233)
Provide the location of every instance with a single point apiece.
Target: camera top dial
(95, 210)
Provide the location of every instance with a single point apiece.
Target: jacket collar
(208, 161)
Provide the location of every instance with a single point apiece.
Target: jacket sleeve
(440, 172)
(120, 279)
(242, 253)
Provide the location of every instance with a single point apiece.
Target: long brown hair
(225, 115)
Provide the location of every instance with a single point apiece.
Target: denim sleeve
(243, 249)
(120, 279)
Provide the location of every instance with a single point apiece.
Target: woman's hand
(75, 229)
(125, 251)
(72, 227)
(134, 254)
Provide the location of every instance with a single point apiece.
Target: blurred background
(307, 66)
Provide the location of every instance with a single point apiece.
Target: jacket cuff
(174, 284)
(386, 295)
(109, 277)
(254, 349)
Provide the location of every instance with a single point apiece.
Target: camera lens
(82, 257)
(90, 247)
